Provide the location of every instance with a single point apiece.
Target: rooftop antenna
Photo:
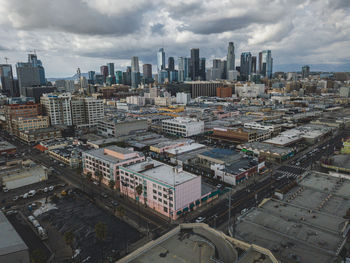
(6, 59)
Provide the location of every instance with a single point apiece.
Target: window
(154, 197)
(154, 191)
(165, 209)
(165, 202)
(160, 199)
(159, 193)
(170, 198)
(159, 187)
(154, 186)
(165, 196)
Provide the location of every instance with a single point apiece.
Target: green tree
(120, 211)
(111, 184)
(89, 176)
(101, 231)
(138, 192)
(38, 256)
(99, 175)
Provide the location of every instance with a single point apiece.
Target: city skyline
(295, 31)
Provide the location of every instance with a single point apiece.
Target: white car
(200, 219)
(25, 196)
(46, 190)
(5, 190)
(36, 223)
(31, 193)
(219, 186)
(31, 218)
(51, 187)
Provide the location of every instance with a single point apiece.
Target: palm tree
(69, 238)
(138, 189)
(111, 184)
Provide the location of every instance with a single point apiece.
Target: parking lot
(75, 213)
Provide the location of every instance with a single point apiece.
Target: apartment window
(165, 196)
(159, 193)
(154, 197)
(165, 202)
(154, 186)
(160, 199)
(170, 198)
(165, 209)
(171, 204)
(154, 191)
(159, 187)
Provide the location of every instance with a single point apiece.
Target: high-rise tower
(230, 57)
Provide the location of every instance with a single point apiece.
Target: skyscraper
(104, 72)
(160, 60)
(230, 57)
(147, 72)
(135, 72)
(246, 65)
(91, 77)
(253, 69)
(266, 63)
(110, 67)
(305, 71)
(194, 64)
(171, 64)
(6, 81)
(184, 64)
(30, 73)
(202, 69)
(260, 63)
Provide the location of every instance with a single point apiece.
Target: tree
(38, 256)
(120, 211)
(99, 175)
(69, 238)
(139, 192)
(101, 231)
(89, 176)
(111, 184)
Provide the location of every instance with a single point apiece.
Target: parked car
(31, 218)
(15, 198)
(95, 183)
(11, 212)
(5, 190)
(114, 203)
(36, 223)
(104, 195)
(46, 190)
(25, 196)
(31, 193)
(219, 186)
(200, 219)
(51, 187)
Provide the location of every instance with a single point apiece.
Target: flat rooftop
(10, 241)
(197, 243)
(342, 160)
(224, 155)
(161, 172)
(267, 147)
(308, 225)
(5, 146)
(99, 153)
(185, 148)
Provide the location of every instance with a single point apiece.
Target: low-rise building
(106, 161)
(168, 190)
(12, 247)
(30, 123)
(70, 155)
(184, 127)
(33, 136)
(115, 128)
(7, 148)
(239, 135)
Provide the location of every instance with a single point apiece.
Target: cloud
(89, 33)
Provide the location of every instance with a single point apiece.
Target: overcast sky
(88, 33)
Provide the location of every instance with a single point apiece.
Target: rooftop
(10, 241)
(198, 242)
(221, 155)
(161, 172)
(181, 120)
(100, 153)
(185, 148)
(5, 145)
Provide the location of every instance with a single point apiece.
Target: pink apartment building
(108, 160)
(168, 190)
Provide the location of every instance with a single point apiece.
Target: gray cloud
(88, 33)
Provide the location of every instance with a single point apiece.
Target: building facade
(184, 127)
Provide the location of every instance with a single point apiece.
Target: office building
(160, 60)
(91, 77)
(224, 92)
(163, 76)
(246, 65)
(230, 57)
(135, 72)
(110, 67)
(37, 92)
(21, 124)
(253, 69)
(202, 69)
(305, 71)
(106, 161)
(203, 88)
(344, 92)
(232, 75)
(58, 108)
(183, 98)
(116, 128)
(173, 76)
(6, 81)
(165, 189)
(171, 64)
(194, 64)
(119, 77)
(147, 72)
(27, 75)
(136, 100)
(265, 63)
(184, 64)
(104, 72)
(22, 109)
(184, 127)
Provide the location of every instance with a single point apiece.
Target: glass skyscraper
(230, 57)
(266, 63)
(160, 60)
(246, 65)
(183, 73)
